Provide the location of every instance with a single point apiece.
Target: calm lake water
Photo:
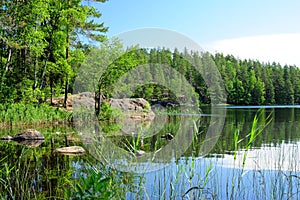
(200, 161)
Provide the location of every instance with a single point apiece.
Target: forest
(246, 82)
(43, 46)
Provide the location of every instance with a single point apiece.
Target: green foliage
(93, 186)
(42, 45)
(87, 78)
(249, 82)
(109, 112)
(20, 113)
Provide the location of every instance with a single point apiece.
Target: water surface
(271, 169)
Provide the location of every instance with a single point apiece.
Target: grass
(258, 125)
(25, 114)
(16, 179)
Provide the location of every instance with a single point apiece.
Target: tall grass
(260, 122)
(16, 180)
(24, 114)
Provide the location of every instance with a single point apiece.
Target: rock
(29, 134)
(139, 153)
(8, 138)
(83, 100)
(130, 104)
(73, 150)
(134, 108)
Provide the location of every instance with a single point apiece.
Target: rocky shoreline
(132, 108)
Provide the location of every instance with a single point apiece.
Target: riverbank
(24, 115)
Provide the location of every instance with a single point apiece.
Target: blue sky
(258, 29)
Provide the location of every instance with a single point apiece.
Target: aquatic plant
(260, 122)
(93, 186)
(25, 114)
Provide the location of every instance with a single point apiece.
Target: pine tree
(288, 87)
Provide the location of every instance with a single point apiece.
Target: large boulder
(86, 99)
(130, 104)
(134, 108)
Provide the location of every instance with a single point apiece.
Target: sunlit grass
(25, 114)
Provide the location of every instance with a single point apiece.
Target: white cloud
(284, 48)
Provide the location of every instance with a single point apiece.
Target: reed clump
(26, 114)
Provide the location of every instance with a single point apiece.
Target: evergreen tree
(269, 87)
(278, 83)
(288, 88)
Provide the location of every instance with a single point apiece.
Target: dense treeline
(250, 82)
(246, 82)
(155, 74)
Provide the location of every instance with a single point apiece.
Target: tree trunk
(67, 56)
(6, 67)
(43, 71)
(66, 92)
(35, 73)
(98, 100)
(51, 91)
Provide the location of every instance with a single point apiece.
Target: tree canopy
(42, 45)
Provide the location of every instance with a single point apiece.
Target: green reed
(16, 179)
(260, 122)
(24, 114)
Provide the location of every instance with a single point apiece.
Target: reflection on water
(211, 180)
(271, 169)
(284, 156)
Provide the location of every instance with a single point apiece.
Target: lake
(173, 157)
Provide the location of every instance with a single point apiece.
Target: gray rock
(134, 108)
(28, 134)
(130, 104)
